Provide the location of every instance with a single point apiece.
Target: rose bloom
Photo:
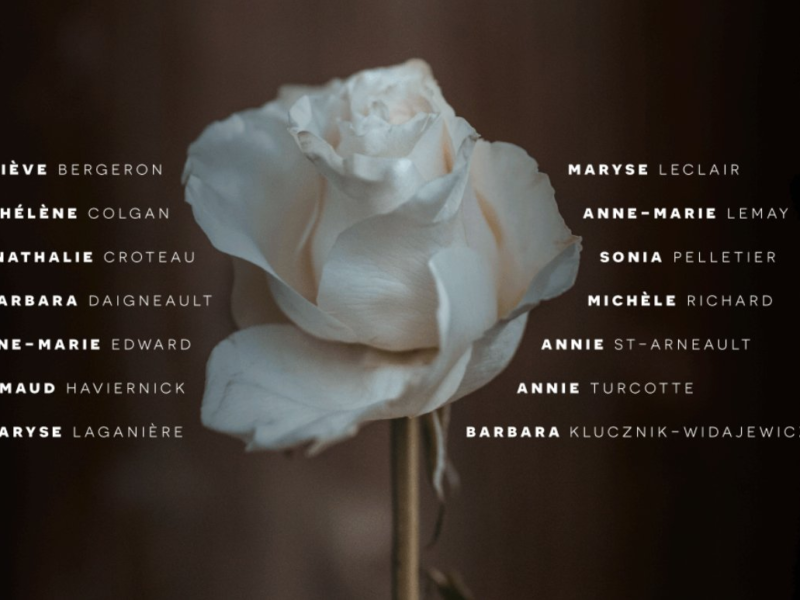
(385, 257)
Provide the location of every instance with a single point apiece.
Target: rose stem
(405, 509)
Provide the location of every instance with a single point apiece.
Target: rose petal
(491, 354)
(381, 182)
(256, 197)
(254, 193)
(394, 94)
(377, 279)
(376, 138)
(276, 387)
(518, 206)
(433, 156)
(384, 140)
(435, 151)
(467, 310)
(339, 211)
(553, 280)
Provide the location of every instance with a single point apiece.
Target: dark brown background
(569, 81)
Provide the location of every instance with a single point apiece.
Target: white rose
(385, 258)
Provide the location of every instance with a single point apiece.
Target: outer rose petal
(467, 309)
(255, 195)
(518, 205)
(553, 280)
(491, 354)
(276, 387)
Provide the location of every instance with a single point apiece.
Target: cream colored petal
(377, 180)
(518, 207)
(275, 387)
(377, 278)
(254, 193)
(553, 280)
(492, 354)
(467, 310)
(256, 197)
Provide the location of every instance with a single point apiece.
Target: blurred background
(589, 82)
